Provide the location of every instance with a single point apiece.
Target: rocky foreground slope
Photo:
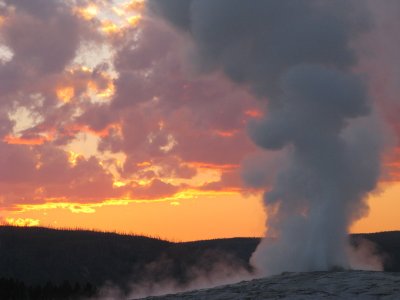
(313, 285)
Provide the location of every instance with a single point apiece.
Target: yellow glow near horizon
(200, 215)
(20, 222)
(91, 207)
(192, 219)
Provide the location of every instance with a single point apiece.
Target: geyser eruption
(332, 163)
(298, 57)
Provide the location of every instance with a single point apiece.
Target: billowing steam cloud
(298, 56)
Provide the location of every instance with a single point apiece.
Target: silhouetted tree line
(38, 255)
(11, 289)
(35, 256)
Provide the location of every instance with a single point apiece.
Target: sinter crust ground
(313, 285)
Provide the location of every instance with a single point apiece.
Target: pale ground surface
(314, 285)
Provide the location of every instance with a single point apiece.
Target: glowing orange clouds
(110, 27)
(65, 94)
(204, 165)
(134, 20)
(30, 141)
(104, 93)
(77, 128)
(73, 157)
(89, 208)
(112, 20)
(89, 12)
(72, 207)
(135, 5)
(81, 82)
(144, 164)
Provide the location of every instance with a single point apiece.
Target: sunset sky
(105, 125)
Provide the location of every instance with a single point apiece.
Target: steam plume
(296, 56)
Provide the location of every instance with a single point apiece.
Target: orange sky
(188, 219)
(114, 132)
(207, 217)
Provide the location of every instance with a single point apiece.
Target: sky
(104, 125)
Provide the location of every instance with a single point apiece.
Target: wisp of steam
(298, 57)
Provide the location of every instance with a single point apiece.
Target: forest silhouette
(43, 263)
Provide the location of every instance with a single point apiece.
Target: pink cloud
(162, 117)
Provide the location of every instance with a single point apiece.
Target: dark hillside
(388, 246)
(39, 255)
(243, 247)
